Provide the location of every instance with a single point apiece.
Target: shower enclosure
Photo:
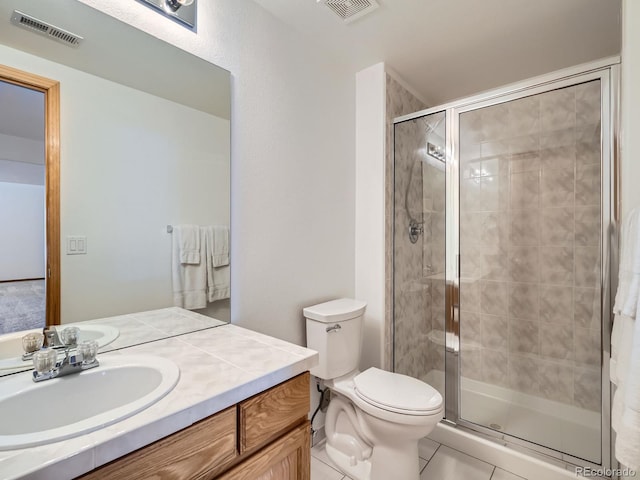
(503, 213)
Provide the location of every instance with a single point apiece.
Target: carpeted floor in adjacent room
(22, 305)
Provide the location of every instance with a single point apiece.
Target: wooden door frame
(51, 90)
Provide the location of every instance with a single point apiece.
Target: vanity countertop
(219, 367)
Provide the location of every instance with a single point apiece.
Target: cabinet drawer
(197, 452)
(267, 415)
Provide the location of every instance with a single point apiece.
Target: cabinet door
(286, 469)
(288, 458)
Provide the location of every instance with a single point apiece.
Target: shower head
(436, 152)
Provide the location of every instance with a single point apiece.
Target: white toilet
(375, 418)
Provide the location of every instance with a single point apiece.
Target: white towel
(625, 348)
(621, 348)
(218, 245)
(628, 438)
(189, 280)
(628, 293)
(218, 277)
(188, 238)
(219, 284)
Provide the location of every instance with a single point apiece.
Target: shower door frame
(608, 72)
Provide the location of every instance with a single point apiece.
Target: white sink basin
(38, 413)
(11, 343)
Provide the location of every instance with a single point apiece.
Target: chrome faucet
(68, 365)
(51, 338)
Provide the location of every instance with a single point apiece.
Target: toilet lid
(396, 392)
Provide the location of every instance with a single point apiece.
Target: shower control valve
(415, 230)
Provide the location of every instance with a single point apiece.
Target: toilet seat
(397, 393)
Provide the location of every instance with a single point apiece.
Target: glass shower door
(530, 233)
(419, 249)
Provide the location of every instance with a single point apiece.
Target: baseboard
(21, 280)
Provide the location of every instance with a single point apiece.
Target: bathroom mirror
(144, 145)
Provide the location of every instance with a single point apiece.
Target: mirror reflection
(22, 194)
(144, 157)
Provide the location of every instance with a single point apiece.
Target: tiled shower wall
(530, 223)
(410, 301)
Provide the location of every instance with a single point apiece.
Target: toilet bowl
(375, 418)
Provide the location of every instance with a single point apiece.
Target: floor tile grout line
(337, 471)
(434, 452)
(346, 478)
(432, 457)
(493, 470)
(325, 463)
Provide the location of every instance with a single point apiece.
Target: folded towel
(218, 245)
(189, 280)
(188, 238)
(218, 270)
(219, 283)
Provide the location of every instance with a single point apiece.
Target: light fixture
(174, 5)
(182, 11)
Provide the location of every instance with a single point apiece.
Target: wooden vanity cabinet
(287, 458)
(266, 437)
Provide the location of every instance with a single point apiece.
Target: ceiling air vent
(43, 28)
(350, 10)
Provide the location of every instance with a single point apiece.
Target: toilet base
(384, 463)
(356, 469)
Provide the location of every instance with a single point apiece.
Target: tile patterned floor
(436, 462)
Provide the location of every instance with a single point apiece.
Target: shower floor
(558, 426)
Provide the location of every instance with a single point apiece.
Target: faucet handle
(32, 342)
(44, 361)
(70, 336)
(88, 349)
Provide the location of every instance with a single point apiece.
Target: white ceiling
(446, 49)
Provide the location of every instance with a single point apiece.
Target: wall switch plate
(76, 245)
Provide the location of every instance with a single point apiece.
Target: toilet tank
(334, 330)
